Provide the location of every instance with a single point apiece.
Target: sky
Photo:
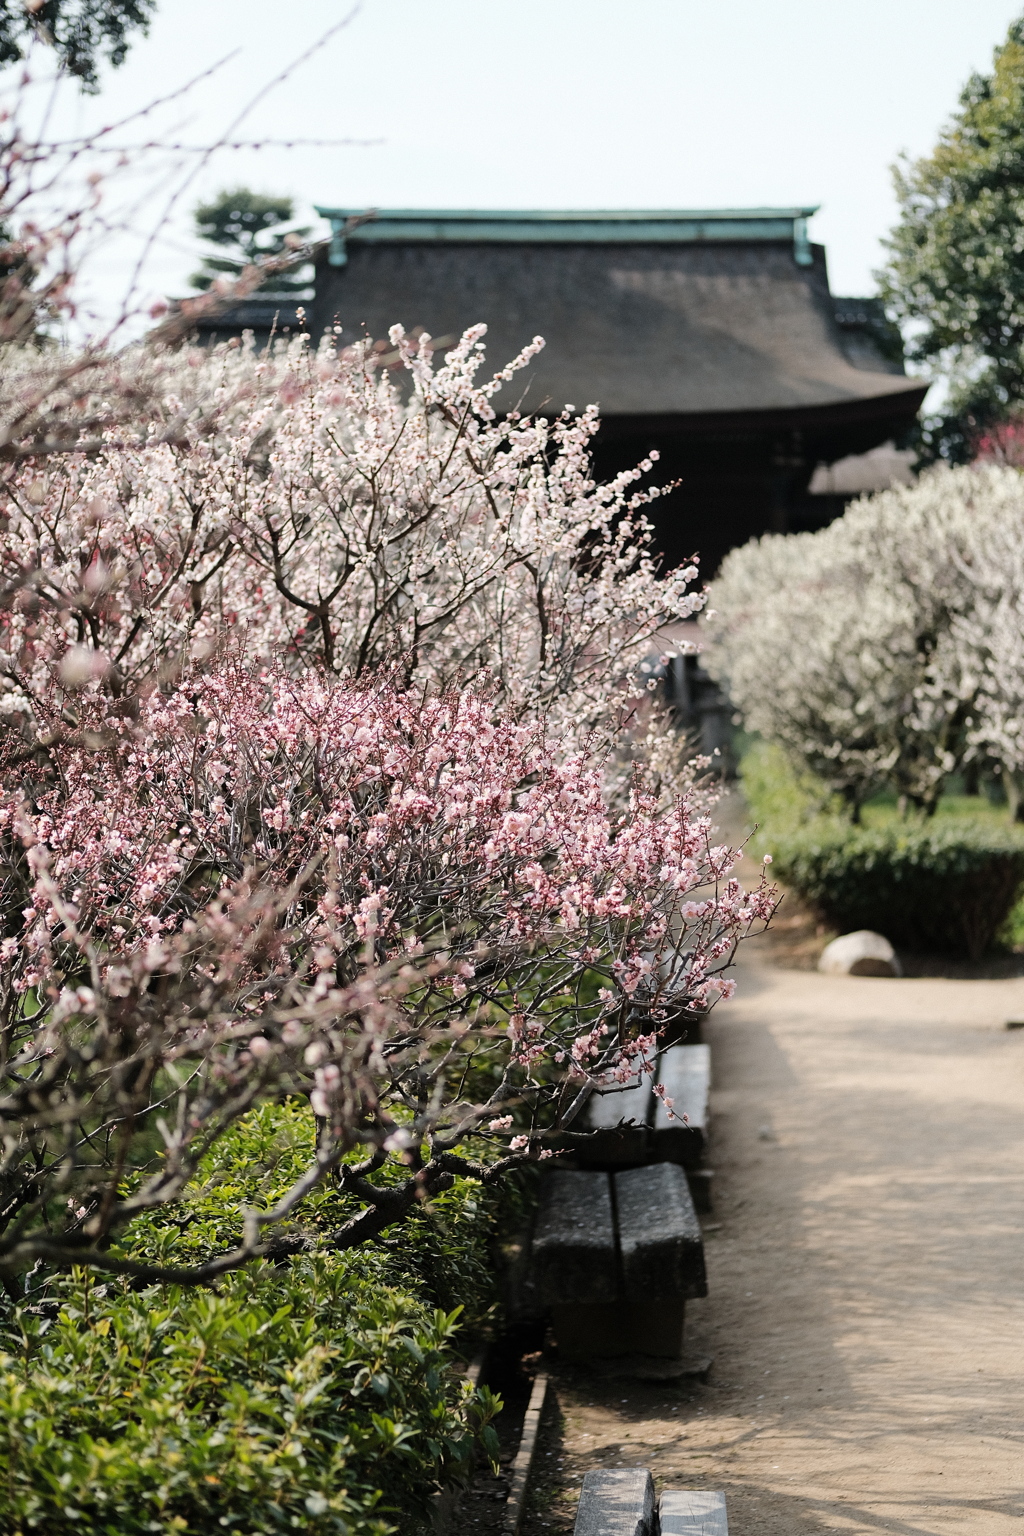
(538, 104)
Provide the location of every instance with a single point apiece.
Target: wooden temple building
(711, 336)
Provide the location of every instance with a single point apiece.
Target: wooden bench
(620, 1501)
(615, 1258)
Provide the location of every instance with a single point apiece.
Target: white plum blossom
(316, 507)
(887, 647)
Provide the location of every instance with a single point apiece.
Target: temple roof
(609, 226)
(669, 313)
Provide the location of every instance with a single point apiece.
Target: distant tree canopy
(82, 32)
(955, 274)
(237, 221)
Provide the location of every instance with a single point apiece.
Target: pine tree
(245, 227)
(80, 31)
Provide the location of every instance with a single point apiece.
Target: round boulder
(860, 954)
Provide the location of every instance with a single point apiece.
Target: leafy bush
(945, 883)
(947, 886)
(320, 1395)
(441, 1253)
(305, 1399)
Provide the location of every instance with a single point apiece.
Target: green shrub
(323, 1395)
(947, 883)
(943, 885)
(442, 1252)
(313, 1399)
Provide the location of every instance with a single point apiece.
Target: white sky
(560, 104)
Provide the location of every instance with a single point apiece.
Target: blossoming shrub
(260, 838)
(307, 504)
(886, 649)
(323, 1395)
(421, 914)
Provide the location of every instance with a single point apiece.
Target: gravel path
(866, 1267)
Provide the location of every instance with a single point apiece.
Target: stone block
(701, 1182)
(618, 1287)
(687, 1029)
(574, 1256)
(684, 1071)
(693, 1512)
(615, 1142)
(649, 1328)
(659, 1234)
(617, 1501)
(860, 954)
(593, 1331)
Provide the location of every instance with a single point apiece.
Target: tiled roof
(685, 327)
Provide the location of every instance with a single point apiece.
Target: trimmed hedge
(945, 886)
(324, 1395)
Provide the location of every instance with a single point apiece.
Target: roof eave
(898, 405)
(677, 226)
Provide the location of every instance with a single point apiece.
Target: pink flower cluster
(433, 824)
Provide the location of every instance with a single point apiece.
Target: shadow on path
(866, 1271)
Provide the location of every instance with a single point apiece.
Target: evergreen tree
(955, 274)
(238, 222)
(80, 31)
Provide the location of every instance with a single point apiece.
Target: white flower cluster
(331, 509)
(889, 647)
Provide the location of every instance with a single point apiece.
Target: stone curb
(520, 1475)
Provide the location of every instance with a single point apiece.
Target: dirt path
(866, 1268)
